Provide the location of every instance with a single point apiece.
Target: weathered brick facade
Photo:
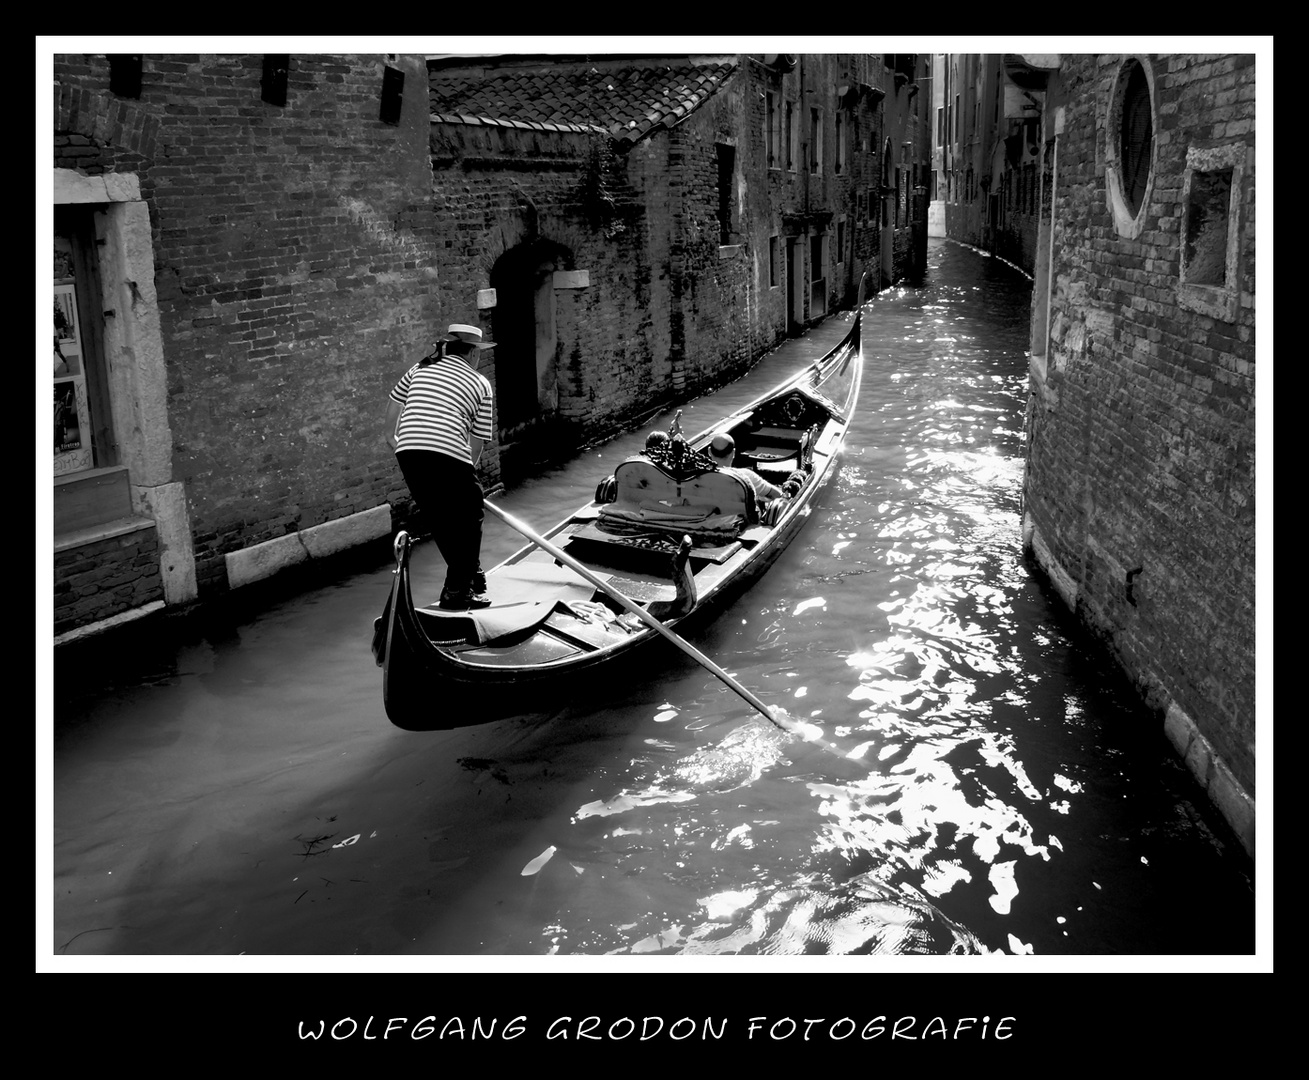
(275, 240)
(1140, 486)
(294, 275)
(666, 284)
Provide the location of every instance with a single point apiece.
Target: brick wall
(294, 273)
(1142, 455)
(306, 253)
(105, 578)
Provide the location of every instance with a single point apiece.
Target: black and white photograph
(626, 505)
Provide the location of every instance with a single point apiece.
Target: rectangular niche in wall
(1209, 274)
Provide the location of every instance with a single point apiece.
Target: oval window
(1136, 135)
(1131, 147)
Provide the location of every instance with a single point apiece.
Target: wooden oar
(776, 716)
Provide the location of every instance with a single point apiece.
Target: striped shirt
(443, 404)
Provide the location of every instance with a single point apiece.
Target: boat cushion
(710, 507)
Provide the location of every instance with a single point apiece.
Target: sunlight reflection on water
(970, 783)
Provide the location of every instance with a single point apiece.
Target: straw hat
(469, 335)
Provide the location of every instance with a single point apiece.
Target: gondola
(669, 530)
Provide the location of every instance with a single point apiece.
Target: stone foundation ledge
(1212, 774)
(79, 632)
(262, 561)
(1203, 762)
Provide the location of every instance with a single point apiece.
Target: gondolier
(438, 419)
(596, 587)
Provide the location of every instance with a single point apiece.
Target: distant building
(1139, 495)
(250, 249)
(986, 152)
(639, 230)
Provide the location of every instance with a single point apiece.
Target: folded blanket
(701, 526)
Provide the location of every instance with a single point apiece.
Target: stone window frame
(1216, 301)
(1126, 223)
(138, 377)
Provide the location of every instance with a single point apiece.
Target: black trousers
(449, 495)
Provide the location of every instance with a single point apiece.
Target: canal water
(986, 783)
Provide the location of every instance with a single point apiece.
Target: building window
(1208, 277)
(393, 89)
(1136, 138)
(887, 164)
(770, 128)
(272, 87)
(726, 188)
(774, 268)
(815, 140)
(840, 240)
(1130, 145)
(789, 135)
(840, 141)
(1207, 207)
(125, 76)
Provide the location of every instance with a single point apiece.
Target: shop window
(1211, 230)
(1130, 146)
(82, 431)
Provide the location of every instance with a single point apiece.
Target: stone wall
(1140, 487)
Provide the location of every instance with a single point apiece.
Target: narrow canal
(999, 790)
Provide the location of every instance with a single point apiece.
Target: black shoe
(462, 601)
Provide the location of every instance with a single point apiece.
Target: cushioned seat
(708, 506)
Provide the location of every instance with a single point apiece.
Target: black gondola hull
(432, 685)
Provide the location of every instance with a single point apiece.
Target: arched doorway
(526, 375)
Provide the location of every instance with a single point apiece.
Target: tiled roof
(627, 101)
